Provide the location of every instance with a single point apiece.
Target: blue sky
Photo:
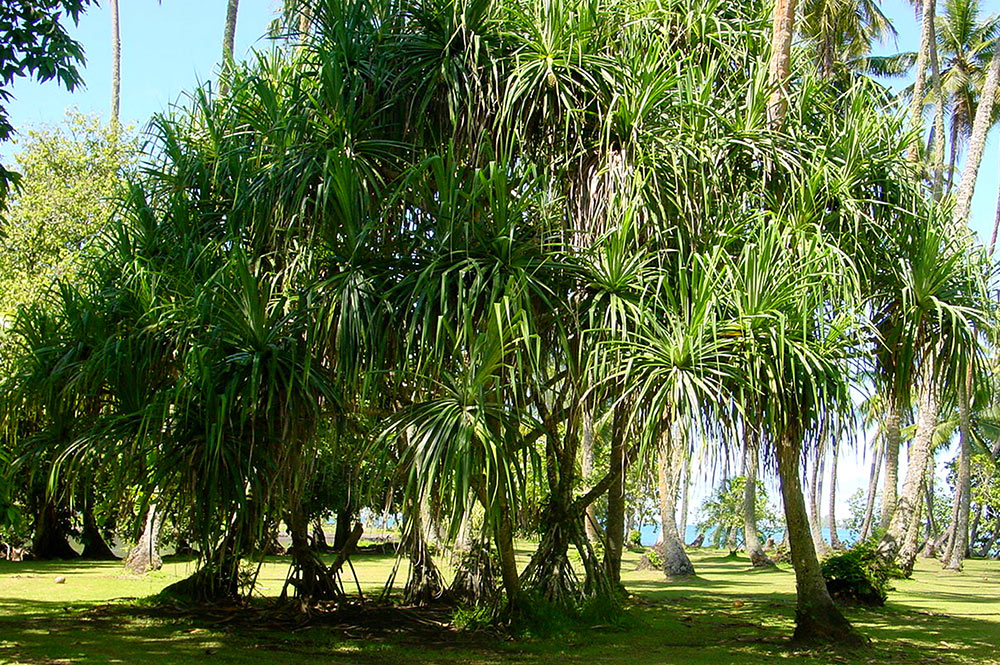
(168, 48)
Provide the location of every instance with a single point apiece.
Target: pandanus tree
(939, 308)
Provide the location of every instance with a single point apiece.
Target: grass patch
(728, 613)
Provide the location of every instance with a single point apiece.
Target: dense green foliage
(35, 44)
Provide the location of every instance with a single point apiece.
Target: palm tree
(977, 141)
(966, 44)
(842, 31)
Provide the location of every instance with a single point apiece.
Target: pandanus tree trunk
(615, 530)
(960, 527)
(49, 540)
(676, 562)
(751, 460)
(308, 575)
(898, 541)
(587, 470)
(145, 556)
(817, 619)
(94, 546)
(892, 442)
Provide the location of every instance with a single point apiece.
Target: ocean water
(651, 533)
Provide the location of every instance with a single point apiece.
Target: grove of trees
(507, 269)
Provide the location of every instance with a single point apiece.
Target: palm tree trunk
(676, 562)
(893, 440)
(977, 142)
(938, 159)
(895, 541)
(834, 538)
(779, 65)
(228, 45)
(817, 619)
(953, 159)
(116, 62)
(751, 459)
(685, 490)
(815, 494)
(229, 33)
(960, 527)
(866, 524)
(923, 57)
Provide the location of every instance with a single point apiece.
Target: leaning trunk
(817, 619)
(977, 142)
(866, 524)
(145, 556)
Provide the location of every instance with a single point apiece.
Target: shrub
(634, 541)
(860, 575)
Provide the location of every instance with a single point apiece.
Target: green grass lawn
(727, 614)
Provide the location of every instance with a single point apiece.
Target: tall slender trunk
(834, 538)
(939, 141)
(866, 524)
(893, 440)
(228, 45)
(815, 499)
(615, 531)
(953, 159)
(779, 65)
(116, 63)
(960, 529)
(977, 142)
(923, 56)
(676, 562)
(817, 619)
(751, 459)
(895, 542)
(342, 530)
(587, 470)
(685, 491)
(145, 556)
